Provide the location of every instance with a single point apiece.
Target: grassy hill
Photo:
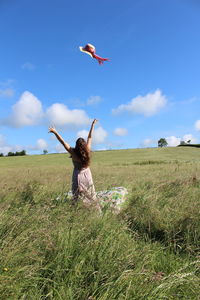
(118, 167)
(52, 250)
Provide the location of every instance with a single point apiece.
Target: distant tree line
(17, 153)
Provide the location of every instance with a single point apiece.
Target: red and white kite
(90, 50)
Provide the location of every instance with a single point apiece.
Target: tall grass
(51, 249)
(167, 212)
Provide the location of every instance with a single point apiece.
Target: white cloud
(59, 148)
(2, 140)
(197, 125)
(147, 105)
(5, 147)
(28, 66)
(173, 141)
(8, 92)
(53, 137)
(99, 135)
(189, 137)
(26, 112)
(93, 100)
(60, 116)
(148, 142)
(102, 149)
(121, 131)
(6, 89)
(83, 134)
(41, 144)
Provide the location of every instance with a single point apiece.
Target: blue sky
(149, 89)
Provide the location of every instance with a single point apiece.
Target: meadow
(51, 249)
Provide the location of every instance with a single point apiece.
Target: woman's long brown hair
(82, 151)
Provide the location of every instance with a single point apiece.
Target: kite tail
(100, 59)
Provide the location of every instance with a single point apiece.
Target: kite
(90, 50)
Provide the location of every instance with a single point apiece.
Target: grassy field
(52, 250)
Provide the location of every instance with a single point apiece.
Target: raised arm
(60, 139)
(89, 139)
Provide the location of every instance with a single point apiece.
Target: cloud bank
(28, 111)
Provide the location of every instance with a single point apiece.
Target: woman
(82, 183)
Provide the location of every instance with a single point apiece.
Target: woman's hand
(60, 139)
(94, 121)
(52, 129)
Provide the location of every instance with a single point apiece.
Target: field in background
(151, 250)
(109, 168)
